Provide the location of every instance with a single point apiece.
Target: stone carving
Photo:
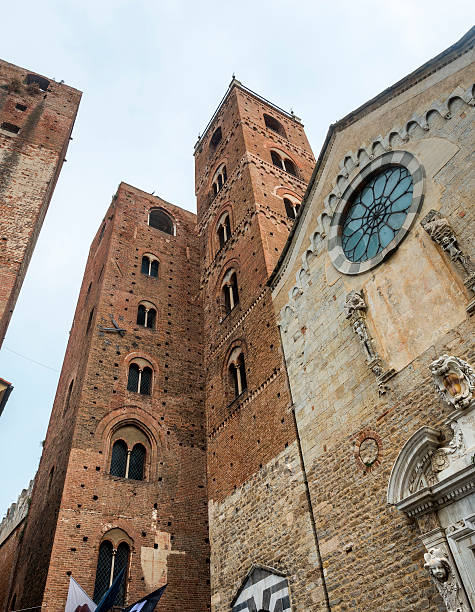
(437, 563)
(355, 309)
(454, 380)
(368, 451)
(442, 234)
(440, 460)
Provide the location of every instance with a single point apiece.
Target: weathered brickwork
(36, 120)
(163, 516)
(416, 304)
(246, 434)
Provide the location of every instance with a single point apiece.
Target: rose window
(377, 213)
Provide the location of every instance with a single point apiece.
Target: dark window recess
(154, 268)
(290, 167)
(290, 208)
(91, 314)
(119, 459)
(146, 381)
(145, 269)
(221, 236)
(136, 464)
(151, 315)
(215, 139)
(121, 562)
(10, 127)
(274, 125)
(160, 220)
(42, 83)
(276, 160)
(141, 315)
(101, 233)
(225, 174)
(104, 562)
(20, 107)
(237, 373)
(68, 397)
(133, 380)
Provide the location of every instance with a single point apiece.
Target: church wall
(416, 311)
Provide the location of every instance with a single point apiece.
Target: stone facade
(36, 120)
(359, 397)
(268, 461)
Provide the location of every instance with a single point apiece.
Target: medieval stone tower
(253, 163)
(122, 479)
(36, 120)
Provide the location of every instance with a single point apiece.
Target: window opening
(139, 379)
(290, 208)
(231, 293)
(238, 375)
(220, 178)
(20, 107)
(101, 234)
(119, 459)
(10, 127)
(215, 139)
(146, 316)
(136, 462)
(284, 163)
(160, 220)
(274, 125)
(224, 230)
(89, 321)
(149, 266)
(68, 397)
(42, 83)
(109, 563)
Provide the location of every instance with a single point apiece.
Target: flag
(77, 600)
(147, 604)
(108, 599)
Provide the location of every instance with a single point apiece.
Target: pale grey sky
(152, 73)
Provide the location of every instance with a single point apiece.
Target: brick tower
(253, 164)
(122, 479)
(36, 120)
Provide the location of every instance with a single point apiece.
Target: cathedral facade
(269, 405)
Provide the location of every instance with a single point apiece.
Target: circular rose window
(375, 212)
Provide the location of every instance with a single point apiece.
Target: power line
(32, 360)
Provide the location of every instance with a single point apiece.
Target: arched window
(274, 125)
(223, 229)
(220, 177)
(237, 373)
(283, 163)
(215, 139)
(230, 291)
(119, 459)
(110, 562)
(160, 220)
(140, 377)
(149, 265)
(128, 463)
(146, 315)
(291, 208)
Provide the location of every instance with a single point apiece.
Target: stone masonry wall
(416, 311)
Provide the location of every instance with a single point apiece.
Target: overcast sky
(152, 73)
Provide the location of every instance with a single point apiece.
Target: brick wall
(165, 515)
(36, 121)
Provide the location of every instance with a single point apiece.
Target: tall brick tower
(253, 164)
(122, 479)
(36, 120)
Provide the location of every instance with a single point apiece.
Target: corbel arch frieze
(352, 162)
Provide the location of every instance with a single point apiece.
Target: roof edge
(235, 83)
(463, 45)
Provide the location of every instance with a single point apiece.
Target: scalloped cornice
(350, 165)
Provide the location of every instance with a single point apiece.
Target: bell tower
(253, 164)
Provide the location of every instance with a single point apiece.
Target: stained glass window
(377, 213)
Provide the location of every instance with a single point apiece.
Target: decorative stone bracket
(355, 309)
(441, 232)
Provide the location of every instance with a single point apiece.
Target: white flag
(77, 598)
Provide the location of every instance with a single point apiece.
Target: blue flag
(109, 598)
(147, 604)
